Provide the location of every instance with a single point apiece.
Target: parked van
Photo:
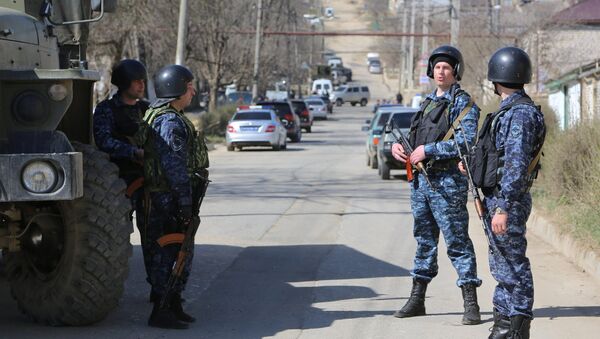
(322, 86)
(352, 93)
(335, 62)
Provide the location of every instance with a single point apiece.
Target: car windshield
(383, 118)
(315, 103)
(299, 106)
(281, 108)
(402, 119)
(252, 116)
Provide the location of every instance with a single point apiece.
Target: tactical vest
(488, 161)
(197, 159)
(127, 122)
(430, 123)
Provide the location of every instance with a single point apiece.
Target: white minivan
(322, 87)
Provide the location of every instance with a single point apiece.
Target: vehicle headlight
(39, 177)
(30, 107)
(58, 92)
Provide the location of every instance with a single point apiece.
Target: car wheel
(240, 148)
(374, 162)
(363, 102)
(230, 148)
(384, 171)
(339, 102)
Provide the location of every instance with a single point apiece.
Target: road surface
(310, 243)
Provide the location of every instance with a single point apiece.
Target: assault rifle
(185, 239)
(479, 207)
(401, 138)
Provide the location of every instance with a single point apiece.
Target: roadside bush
(569, 182)
(213, 124)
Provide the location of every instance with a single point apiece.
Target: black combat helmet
(171, 81)
(126, 71)
(509, 65)
(447, 52)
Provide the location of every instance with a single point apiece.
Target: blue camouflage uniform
(519, 130)
(170, 144)
(445, 207)
(115, 126)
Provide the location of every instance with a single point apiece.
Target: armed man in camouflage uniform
(175, 157)
(442, 206)
(506, 161)
(116, 121)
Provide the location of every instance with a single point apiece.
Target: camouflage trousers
(442, 209)
(508, 262)
(162, 220)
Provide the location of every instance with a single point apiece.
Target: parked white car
(255, 127)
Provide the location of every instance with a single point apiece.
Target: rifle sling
(457, 121)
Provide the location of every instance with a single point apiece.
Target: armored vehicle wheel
(74, 257)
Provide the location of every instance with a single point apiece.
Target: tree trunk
(213, 88)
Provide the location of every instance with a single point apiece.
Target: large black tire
(374, 162)
(86, 281)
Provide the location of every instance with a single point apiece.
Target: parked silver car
(317, 107)
(256, 127)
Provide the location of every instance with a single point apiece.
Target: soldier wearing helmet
(116, 121)
(440, 204)
(175, 157)
(505, 163)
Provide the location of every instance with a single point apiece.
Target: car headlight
(39, 177)
(58, 92)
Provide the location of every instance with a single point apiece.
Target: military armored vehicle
(64, 223)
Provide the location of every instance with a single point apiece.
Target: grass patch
(568, 186)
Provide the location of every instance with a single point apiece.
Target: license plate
(249, 128)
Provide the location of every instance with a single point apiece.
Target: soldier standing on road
(505, 164)
(116, 121)
(442, 206)
(175, 155)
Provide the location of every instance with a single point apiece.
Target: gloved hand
(185, 216)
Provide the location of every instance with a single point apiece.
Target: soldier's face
(136, 89)
(443, 74)
(189, 94)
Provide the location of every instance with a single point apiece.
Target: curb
(564, 243)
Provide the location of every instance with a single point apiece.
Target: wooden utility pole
(181, 33)
(411, 49)
(402, 76)
(257, 50)
(454, 22)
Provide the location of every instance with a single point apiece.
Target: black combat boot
(519, 327)
(177, 308)
(415, 305)
(501, 326)
(471, 315)
(165, 318)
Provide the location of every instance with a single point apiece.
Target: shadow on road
(256, 297)
(567, 311)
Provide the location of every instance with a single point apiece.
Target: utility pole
(181, 32)
(425, 41)
(403, 48)
(454, 22)
(411, 49)
(257, 50)
(288, 52)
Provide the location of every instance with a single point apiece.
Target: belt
(442, 165)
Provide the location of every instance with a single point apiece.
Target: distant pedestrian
(376, 107)
(439, 205)
(399, 98)
(505, 165)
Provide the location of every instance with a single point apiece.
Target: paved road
(310, 243)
